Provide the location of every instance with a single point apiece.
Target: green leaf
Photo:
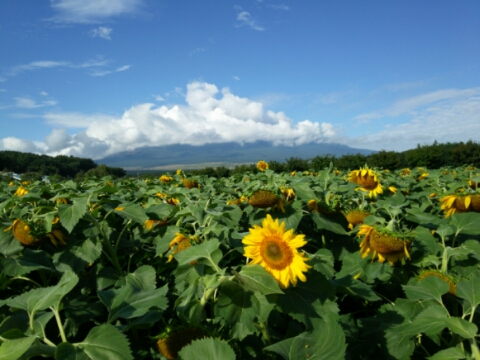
(469, 290)
(43, 298)
(102, 342)
(162, 243)
(430, 288)
(324, 223)
(309, 300)
(129, 302)
(8, 244)
(349, 285)
(30, 260)
(207, 250)
(132, 211)
(426, 241)
(461, 327)
(77, 254)
(448, 354)
(143, 278)
(399, 345)
(207, 349)
(466, 223)
(13, 349)
(322, 261)
(70, 214)
(237, 308)
(474, 247)
(326, 342)
(256, 278)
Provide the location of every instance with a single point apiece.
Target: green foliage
(135, 266)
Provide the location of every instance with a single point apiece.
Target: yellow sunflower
(180, 243)
(265, 199)
(172, 343)
(21, 191)
(165, 179)
(190, 183)
(368, 181)
(21, 232)
(288, 194)
(277, 251)
(383, 243)
(460, 204)
(355, 217)
(262, 165)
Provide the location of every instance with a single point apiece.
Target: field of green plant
(362, 264)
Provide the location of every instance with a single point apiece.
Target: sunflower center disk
(368, 182)
(276, 253)
(386, 244)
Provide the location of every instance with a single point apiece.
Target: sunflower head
(276, 250)
(422, 176)
(170, 344)
(150, 223)
(165, 179)
(385, 244)
(288, 194)
(437, 273)
(22, 232)
(368, 181)
(21, 191)
(180, 243)
(262, 165)
(57, 236)
(190, 183)
(405, 172)
(452, 204)
(173, 201)
(355, 217)
(265, 199)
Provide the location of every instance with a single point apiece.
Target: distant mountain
(222, 154)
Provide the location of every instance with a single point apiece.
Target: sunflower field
(362, 264)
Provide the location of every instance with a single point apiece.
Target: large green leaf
(29, 260)
(43, 298)
(12, 349)
(207, 349)
(467, 223)
(461, 327)
(324, 223)
(143, 278)
(77, 254)
(207, 251)
(102, 342)
(326, 342)
(256, 278)
(349, 285)
(132, 211)
(448, 354)
(130, 302)
(430, 288)
(470, 291)
(70, 214)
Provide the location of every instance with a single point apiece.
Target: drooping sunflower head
(190, 183)
(385, 244)
(22, 232)
(21, 191)
(368, 181)
(437, 273)
(288, 194)
(262, 165)
(405, 172)
(355, 217)
(422, 176)
(276, 250)
(180, 243)
(57, 237)
(452, 204)
(265, 199)
(173, 201)
(170, 344)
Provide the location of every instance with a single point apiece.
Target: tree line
(70, 167)
(433, 156)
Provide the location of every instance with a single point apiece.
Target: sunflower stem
(59, 322)
(265, 334)
(445, 259)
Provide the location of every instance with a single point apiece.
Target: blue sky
(95, 77)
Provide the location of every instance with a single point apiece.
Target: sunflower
(422, 176)
(165, 179)
(190, 183)
(437, 273)
(173, 201)
(21, 232)
(392, 189)
(460, 204)
(180, 243)
(150, 223)
(21, 191)
(368, 181)
(57, 236)
(277, 251)
(405, 172)
(355, 217)
(172, 343)
(384, 243)
(265, 199)
(288, 194)
(262, 165)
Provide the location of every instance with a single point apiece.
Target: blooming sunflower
(384, 243)
(262, 165)
(437, 273)
(276, 250)
(190, 183)
(288, 194)
(180, 243)
(165, 179)
(460, 204)
(172, 343)
(265, 199)
(355, 217)
(21, 191)
(368, 181)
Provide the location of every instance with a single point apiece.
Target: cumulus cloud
(15, 144)
(209, 116)
(101, 32)
(91, 11)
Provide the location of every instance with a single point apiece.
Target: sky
(92, 78)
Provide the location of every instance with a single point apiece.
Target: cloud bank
(209, 116)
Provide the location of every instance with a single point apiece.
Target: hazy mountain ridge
(231, 152)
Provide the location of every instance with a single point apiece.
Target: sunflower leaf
(430, 288)
(70, 215)
(207, 349)
(466, 223)
(12, 349)
(256, 278)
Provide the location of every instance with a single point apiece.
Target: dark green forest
(34, 166)
(433, 156)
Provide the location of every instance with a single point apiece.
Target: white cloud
(445, 115)
(28, 103)
(158, 98)
(279, 7)
(245, 19)
(107, 72)
(236, 78)
(101, 32)
(15, 144)
(91, 11)
(43, 93)
(35, 65)
(74, 120)
(210, 116)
